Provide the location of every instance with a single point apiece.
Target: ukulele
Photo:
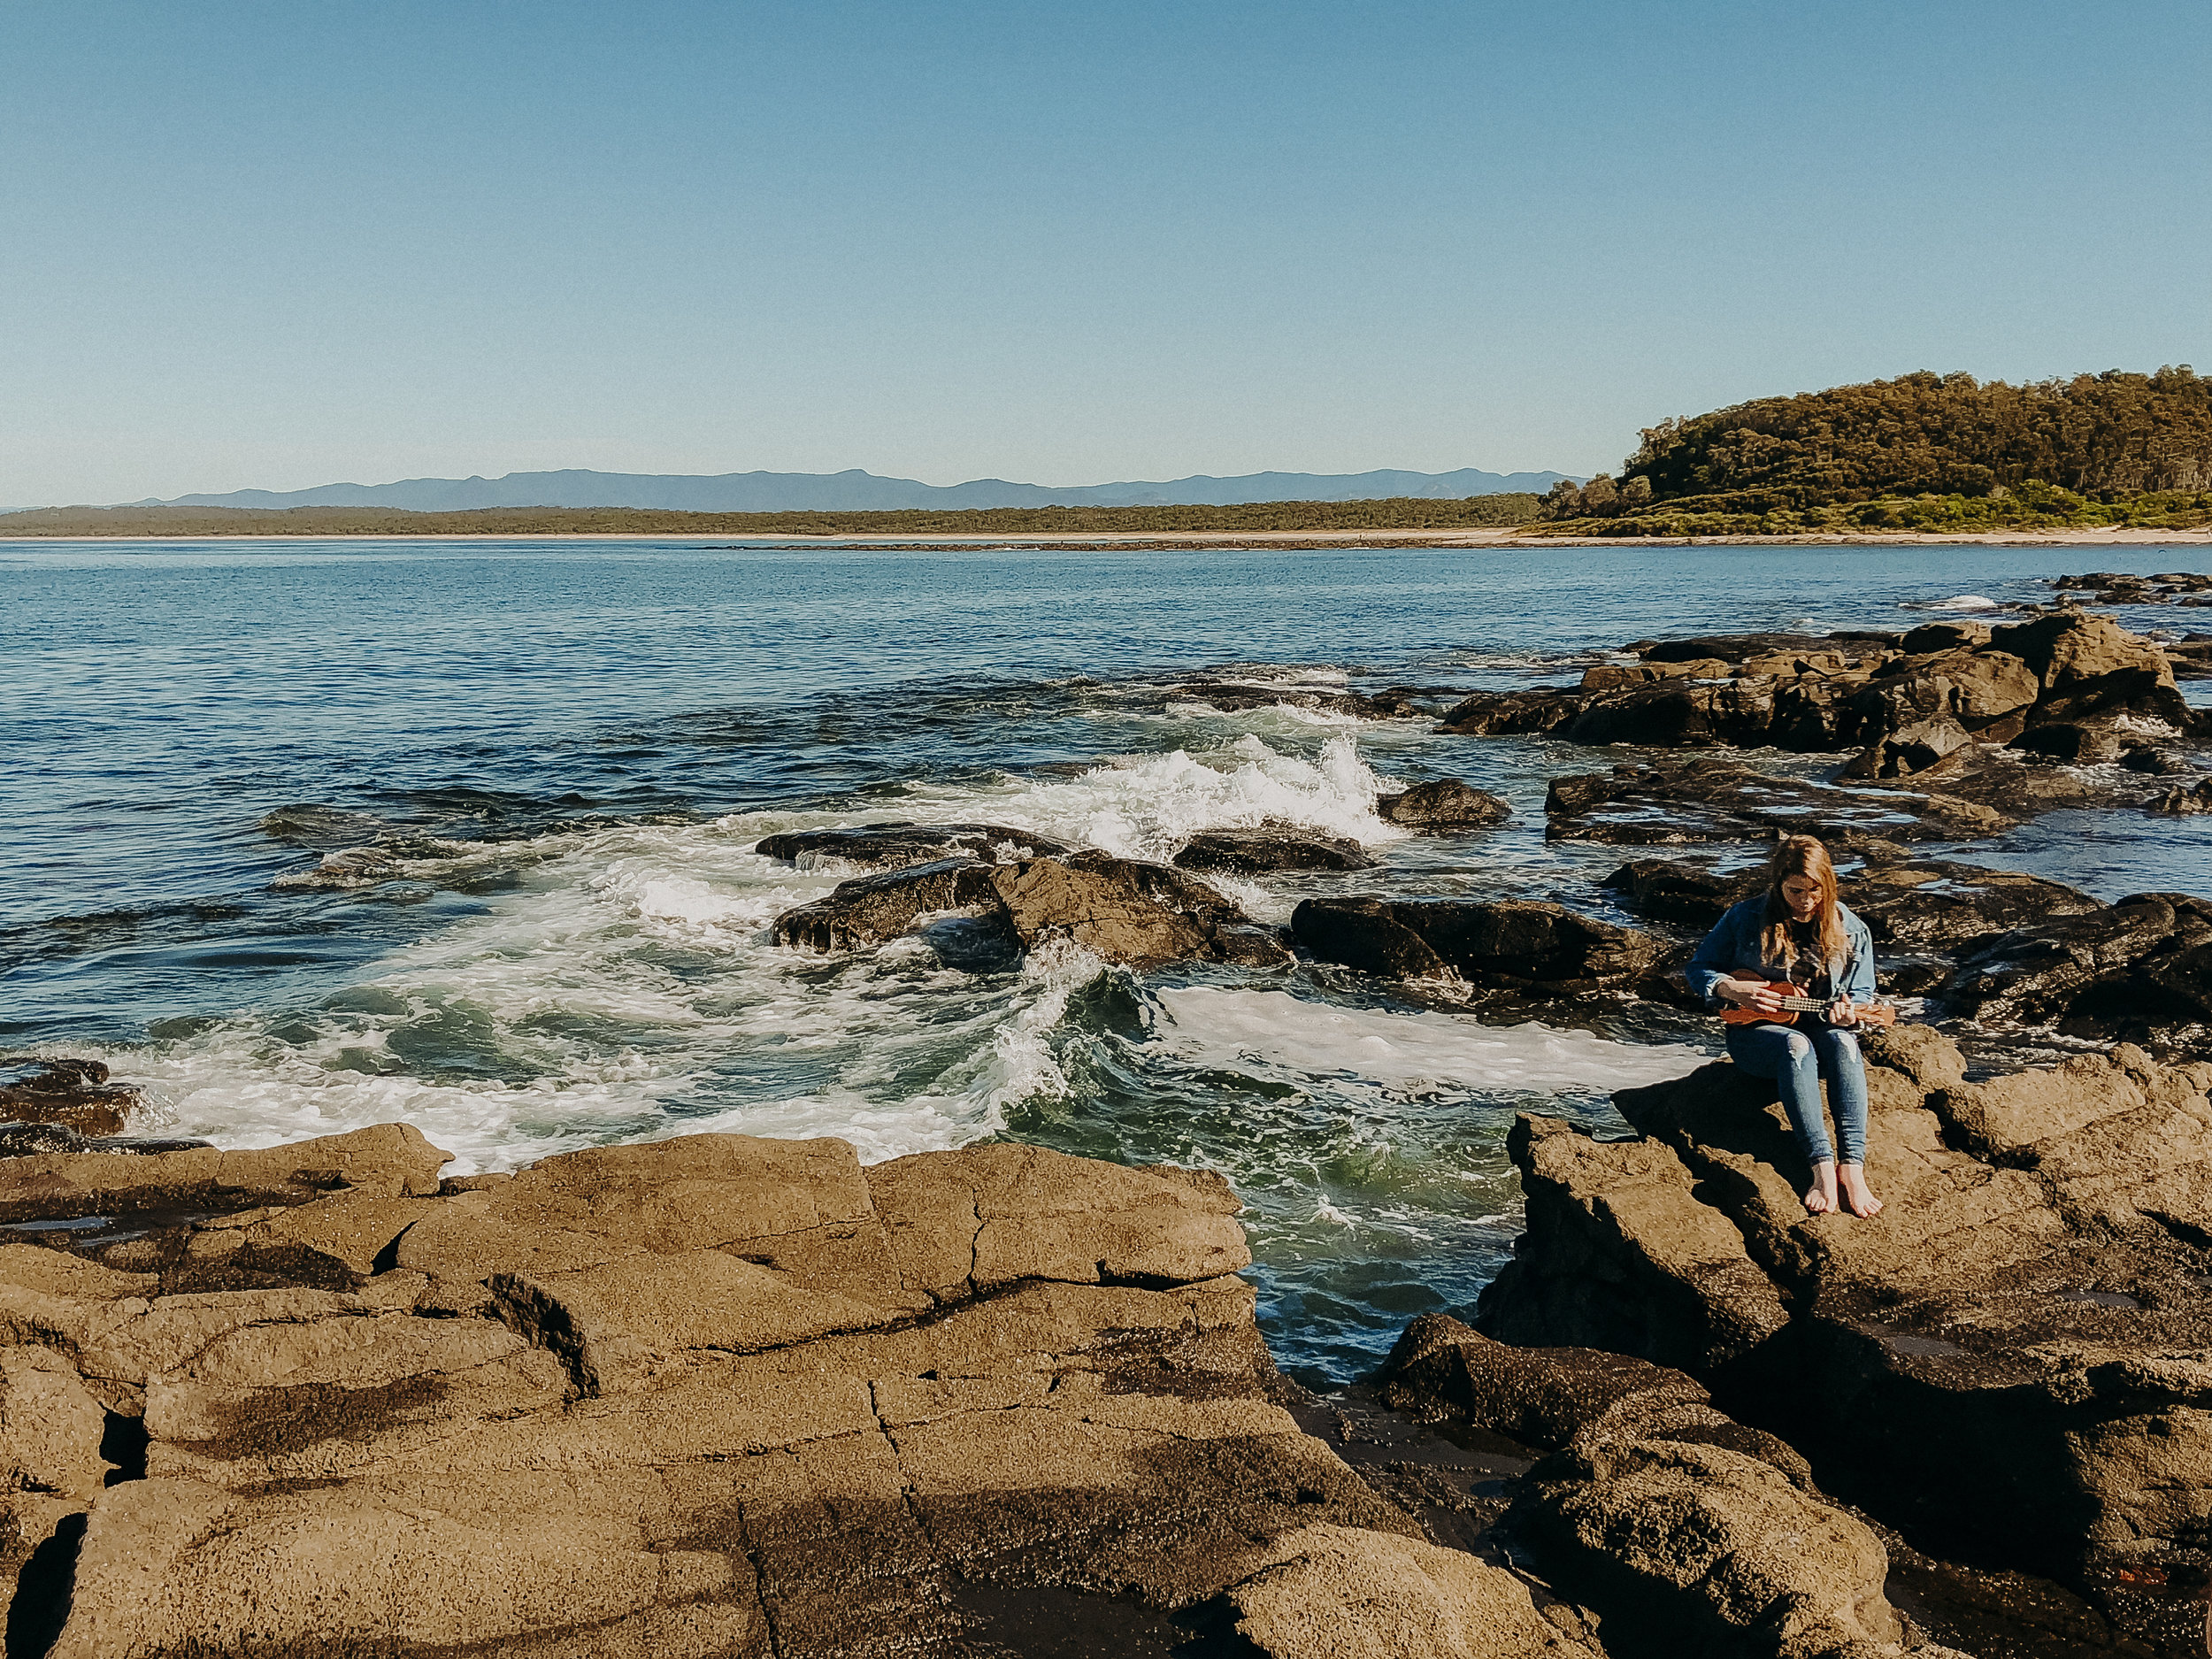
(1794, 1002)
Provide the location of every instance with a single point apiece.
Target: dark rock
(74, 1094)
(2118, 587)
(1909, 749)
(1666, 1518)
(1614, 676)
(1444, 1371)
(1365, 935)
(1128, 911)
(2140, 970)
(2011, 782)
(1517, 945)
(1124, 911)
(1916, 904)
(1984, 691)
(894, 845)
(1932, 637)
(1672, 712)
(2182, 800)
(2089, 665)
(1731, 647)
(1232, 695)
(2070, 740)
(347, 869)
(1677, 802)
(1621, 1254)
(869, 909)
(2150, 760)
(1670, 892)
(1702, 1550)
(1910, 711)
(1444, 806)
(1255, 852)
(28, 1139)
(1931, 903)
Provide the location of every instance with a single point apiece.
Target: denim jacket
(1734, 943)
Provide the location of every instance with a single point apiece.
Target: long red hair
(1802, 856)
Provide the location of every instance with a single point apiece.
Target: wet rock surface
(1664, 802)
(72, 1094)
(1443, 806)
(2185, 800)
(21, 1140)
(1391, 703)
(2004, 1365)
(1122, 910)
(391, 1160)
(1846, 692)
(1256, 851)
(868, 910)
(2122, 588)
(710, 1396)
(2139, 970)
(897, 846)
(2192, 657)
(1530, 948)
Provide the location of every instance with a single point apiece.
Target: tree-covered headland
(1250, 517)
(1925, 452)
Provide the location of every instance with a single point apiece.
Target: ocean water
(304, 835)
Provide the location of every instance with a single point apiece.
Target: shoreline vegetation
(1884, 520)
(1924, 457)
(1500, 511)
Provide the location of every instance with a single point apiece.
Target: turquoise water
(560, 754)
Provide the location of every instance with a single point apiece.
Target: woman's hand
(1752, 994)
(1840, 1013)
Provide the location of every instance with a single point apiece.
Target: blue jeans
(1797, 1057)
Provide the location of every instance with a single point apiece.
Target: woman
(1800, 932)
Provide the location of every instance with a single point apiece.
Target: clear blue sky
(284, 244)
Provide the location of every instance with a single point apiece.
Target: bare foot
(1820, 1197)
(1856, 1195)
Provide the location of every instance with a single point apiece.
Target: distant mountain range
(859, 491)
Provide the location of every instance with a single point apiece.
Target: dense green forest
(1923, 452)
(1317, 517)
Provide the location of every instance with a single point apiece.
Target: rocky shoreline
(720, 1395)
(724, 1395)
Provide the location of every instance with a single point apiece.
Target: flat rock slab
(1676, 802)
(1258, 851)
(1232, 695)
(390, 1159)
(897, 846)
(710, 1396)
